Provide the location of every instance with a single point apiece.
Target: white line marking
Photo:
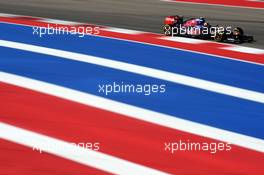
(55, 21)
(146, 71)
(184, 40)
(119, 30)
(84, 156)
(8, 15)
(134, 112)
(244, 49)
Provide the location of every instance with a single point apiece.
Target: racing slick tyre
(167, 30)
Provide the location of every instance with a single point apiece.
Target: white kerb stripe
(244, 49)
(8, 15)
(66, 150)
(134, 112)
(55, 21)
(184, 40)
(119, 30)
(146, 71)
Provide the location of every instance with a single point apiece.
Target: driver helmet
(236, 30)
(200, 21)
(206, 24)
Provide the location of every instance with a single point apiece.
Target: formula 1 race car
(200, 28)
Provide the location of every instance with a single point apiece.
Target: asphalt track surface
(141, 15)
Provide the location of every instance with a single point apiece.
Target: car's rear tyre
(219, 37)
